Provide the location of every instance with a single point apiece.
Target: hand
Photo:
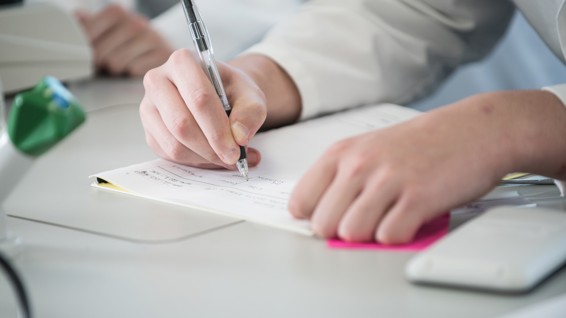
(385, 184)
(123, 42)
(184, 120)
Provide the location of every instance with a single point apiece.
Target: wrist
(531, 125)
(282, 96)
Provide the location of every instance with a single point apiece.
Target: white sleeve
(234, 25)
(347, 53)
(560, 92)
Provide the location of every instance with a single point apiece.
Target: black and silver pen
(204, 48)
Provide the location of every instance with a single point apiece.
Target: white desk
(90, 253)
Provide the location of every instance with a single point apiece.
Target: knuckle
(355, 167)
(139, 22)
(180, 126)
(174, 151)
(383, 175)
(200, 100)
(116, 10)
(151, 79)
(179, 57)
(412, 197)
(260, 111)
(145, 109)
(337, 149)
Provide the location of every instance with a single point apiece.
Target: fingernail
(240, 132)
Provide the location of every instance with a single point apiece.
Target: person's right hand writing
(184, 120)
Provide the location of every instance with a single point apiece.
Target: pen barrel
(242, 153)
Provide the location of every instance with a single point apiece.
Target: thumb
(245, 120)
(249, 106)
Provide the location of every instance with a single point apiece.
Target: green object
(43, 116)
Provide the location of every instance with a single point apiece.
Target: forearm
(282, 96)
(519, 130)
(541, 129)
(343, 54)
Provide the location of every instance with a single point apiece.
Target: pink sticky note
(428, 234)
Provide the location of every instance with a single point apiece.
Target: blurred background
(520, 61)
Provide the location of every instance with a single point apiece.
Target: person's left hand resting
(385, 184)
(123, 42)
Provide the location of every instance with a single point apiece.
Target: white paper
(287, 153)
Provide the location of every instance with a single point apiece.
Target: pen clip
(198, 30)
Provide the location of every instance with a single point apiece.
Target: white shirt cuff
(560, 92)
(561, 186)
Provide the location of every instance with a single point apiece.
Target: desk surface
(89, 253)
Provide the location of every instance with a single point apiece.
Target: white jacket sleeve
(345, 53)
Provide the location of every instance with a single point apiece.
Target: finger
(200, 97)
(103, 21)
(107, 44)
(142, 54)
(175, 116)
(253, 157)
(360, 221)
(311, 187)
(163, 143)
(344, 189)
(153, 125)
(133, 52)
(83, 16)
(249, 109)
(186, 161)
(401, 222)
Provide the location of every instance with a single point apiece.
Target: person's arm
(335, 54)
(348, 53)
(123, 42)
(385, 184)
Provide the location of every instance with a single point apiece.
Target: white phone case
(505, 249)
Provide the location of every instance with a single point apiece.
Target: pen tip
(242, 165)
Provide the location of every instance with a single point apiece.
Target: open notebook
(287, 153)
